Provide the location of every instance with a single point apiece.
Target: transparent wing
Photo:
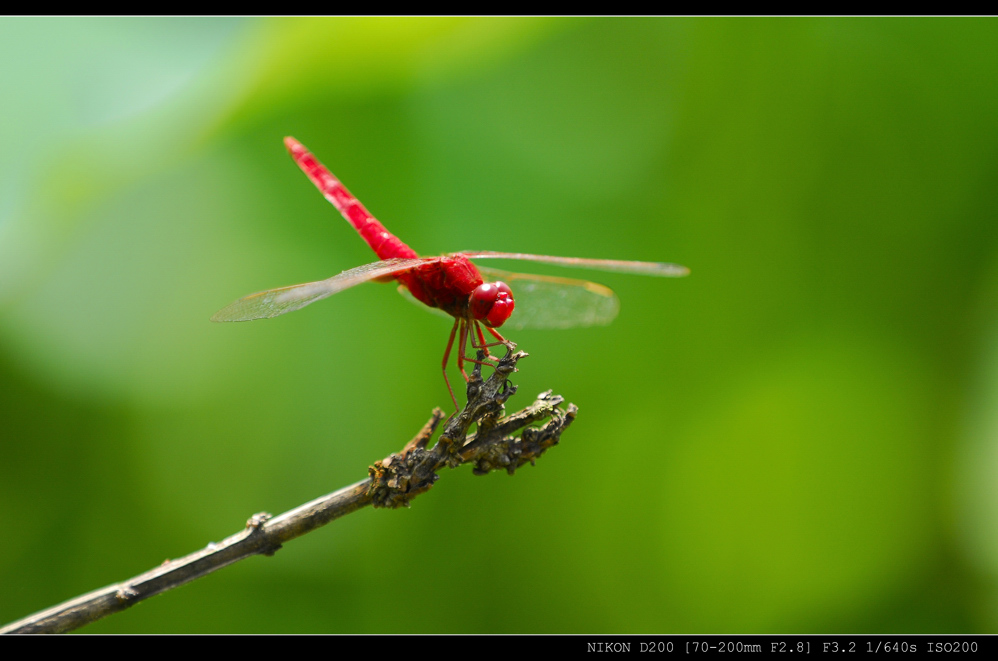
(274, 302)
(660, 269)
(550, 302)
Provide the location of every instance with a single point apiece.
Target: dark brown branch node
(400, 477)
(394, 481)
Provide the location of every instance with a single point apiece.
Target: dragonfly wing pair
(556, 303)
(542, 301)
(549, 302)
(275, 302)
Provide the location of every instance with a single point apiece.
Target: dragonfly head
(491, 303)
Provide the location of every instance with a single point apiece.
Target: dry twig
(393, 482)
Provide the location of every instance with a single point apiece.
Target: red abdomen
(385, 244)
(446, 284)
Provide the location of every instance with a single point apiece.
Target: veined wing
(550, 302)
(274, 302)
(660, 269)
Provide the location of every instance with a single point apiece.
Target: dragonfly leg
(466, 330)
(502, 340)
(450, 343)
(462, 329)
(462, 348)
(483, 344)
(495, 334)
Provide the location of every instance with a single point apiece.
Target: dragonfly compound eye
(492, 302)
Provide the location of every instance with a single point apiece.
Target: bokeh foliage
(799, 437)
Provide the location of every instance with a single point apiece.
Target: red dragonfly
(449, 283)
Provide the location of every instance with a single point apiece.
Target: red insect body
(451, 283)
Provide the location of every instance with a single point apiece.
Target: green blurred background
(799, 437)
